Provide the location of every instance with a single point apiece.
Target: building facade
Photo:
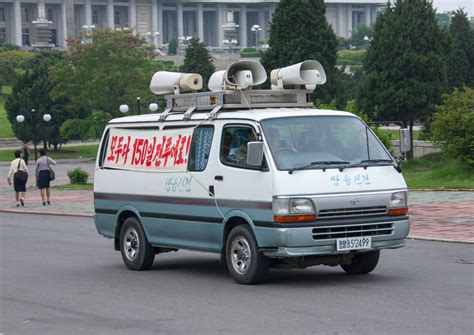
(162, 20)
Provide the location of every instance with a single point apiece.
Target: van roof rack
(241, 99)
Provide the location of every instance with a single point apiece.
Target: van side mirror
(255, 154)
(405, 143)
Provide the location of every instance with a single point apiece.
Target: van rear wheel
(362, 263)
(245, 263)
(137, 253)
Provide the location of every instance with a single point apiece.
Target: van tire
(362, 263)
(137, 253)
(253, 266)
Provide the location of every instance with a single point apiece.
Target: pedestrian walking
(25, 153)
(19, 172)
(44, 174)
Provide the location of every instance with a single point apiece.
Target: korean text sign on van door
(148, 150)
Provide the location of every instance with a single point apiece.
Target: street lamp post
(138, 105)
(256, 28)
(153, 107)
(46, 117)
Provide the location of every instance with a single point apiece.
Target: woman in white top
(19, 186)
(42, 175)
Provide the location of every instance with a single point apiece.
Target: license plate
(353, 243)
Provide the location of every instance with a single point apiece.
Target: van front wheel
(362, 263)
(245, 263)
(137, 253)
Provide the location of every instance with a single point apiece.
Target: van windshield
(322, 142)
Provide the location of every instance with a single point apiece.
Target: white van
(257, 176)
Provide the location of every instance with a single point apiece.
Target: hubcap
(240, 255)
(131, 243)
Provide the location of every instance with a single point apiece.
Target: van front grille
(345, 212)
(368, 229)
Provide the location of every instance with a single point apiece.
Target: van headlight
(398, 203)
(293, 210)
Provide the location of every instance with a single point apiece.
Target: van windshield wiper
(376, 161)
(319, 165)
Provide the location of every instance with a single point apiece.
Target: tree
(405, 70)
(299, 32)
(10, 62)
(173, 47)
(460, 58)
(454, 123)
(31, 90)
(443, 20)
(198, 60)
(103, 70)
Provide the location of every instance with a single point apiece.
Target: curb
(47, 213)
(420, 238)
(436, 239)
(442, 190)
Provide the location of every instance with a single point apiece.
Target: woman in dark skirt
(42, 175)
(20, 187)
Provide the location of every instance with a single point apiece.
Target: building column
(220, 22)
(341, 21)
(17, 23)
(110, 14)
(132, 15)
(179, 16)
(154, 21)
(63, 35)
(368, 19)
(349, 21)
(261, 22)
(200, 21)
(243, 26)
(88, 12)
(69, 17)
(160, 22)
(271, 10)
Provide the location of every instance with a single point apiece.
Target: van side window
(234, 145)
(200, 148)
(103, 148)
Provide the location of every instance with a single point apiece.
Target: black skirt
(19, 186)
(43, 179)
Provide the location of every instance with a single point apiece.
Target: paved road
(59, 277)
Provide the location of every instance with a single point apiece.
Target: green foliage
(436, 171)
(405, 68)
(164, 65)
(453, 125)
(358, 36)
(114, 68)
(383, 136)
(460, 56)
(85, 129)
(198, 60)
(77, 176)
(10, 62)
(5, 127)
(351, 57)
(299, 31)
(8, 47)
(443, 20)
(173, 47)
(82, 151)
(31, 90)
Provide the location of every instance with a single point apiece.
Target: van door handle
(219, 178)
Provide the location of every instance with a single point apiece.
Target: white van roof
(254, 114)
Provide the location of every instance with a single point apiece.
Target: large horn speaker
(309, 72)
(239, 75)
(164, 82)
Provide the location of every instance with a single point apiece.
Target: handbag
(20, 176)
(52, 174)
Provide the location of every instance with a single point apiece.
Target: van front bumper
(294, 242)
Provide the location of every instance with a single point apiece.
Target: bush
(453, 125)
(77, 176)
(173, 47)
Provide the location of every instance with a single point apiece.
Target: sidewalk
(443, 216)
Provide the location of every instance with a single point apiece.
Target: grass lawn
(5, 128)
(81, 151)
(395, 134)
(87, 186)
(433, 171)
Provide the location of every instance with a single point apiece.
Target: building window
(2, 14)
(49, 14)
(95, 17)
(25, 36)
(25, 14)
(117, 17)
(3, 35)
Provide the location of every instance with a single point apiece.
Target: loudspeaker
(164, 82)
(239, 75)
(309, 73)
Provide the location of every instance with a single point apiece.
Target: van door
(241, 190)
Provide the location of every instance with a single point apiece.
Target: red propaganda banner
(149, 150)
